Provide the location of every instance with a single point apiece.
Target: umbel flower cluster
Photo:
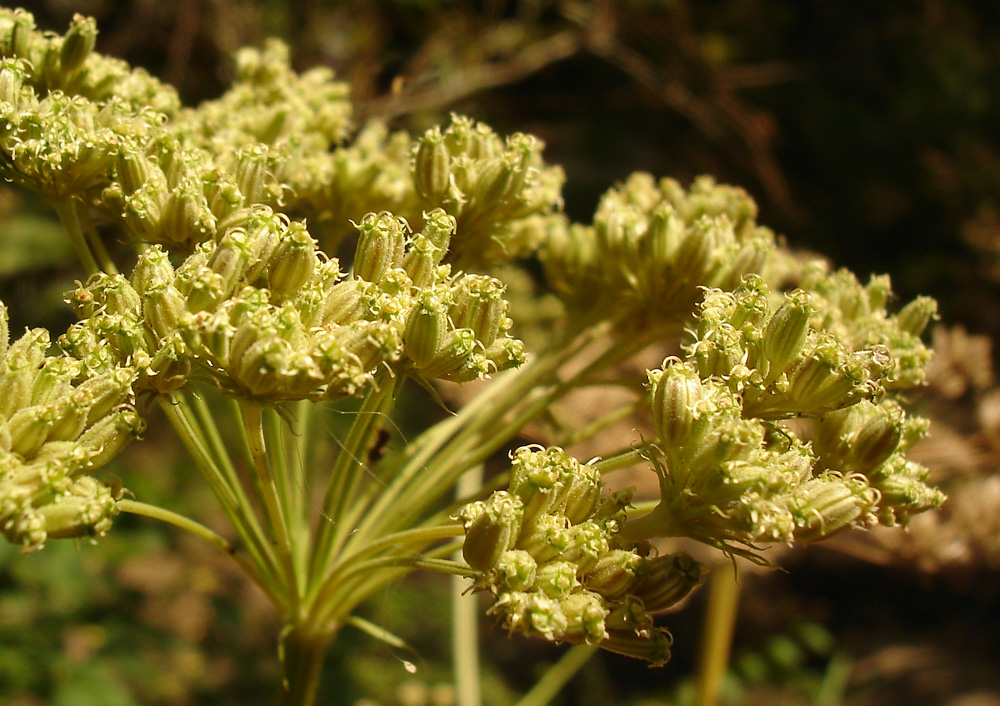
(207, 296)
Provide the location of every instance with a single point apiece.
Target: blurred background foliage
(866, 130)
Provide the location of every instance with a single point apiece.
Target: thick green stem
(301, 652)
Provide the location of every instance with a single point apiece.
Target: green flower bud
(663, 236)
(666, 580)
(78, 43)
(650, 645)
(676, 389)
(162, 310)
(585, 613)
(786, 332)
(547, 538)
(16, 38)
(109, 435)
(144, 211)
(557, 579)
(614, 573)
(514, 571)
(456, 352)
(878, 439)
(102, 393)
(251, 170)
(493, 532)
(344, 304)
(500, 181)
(152, 271)
(426, 328)
(294, 262)
(11, 82)
(381, 241)
(232, 258)
(588, 542)
(19, 369)
(439, 227)
(186, 217)
(371, 343)
(479, 305)
(69, 418)
(170, 367)
(914, 317)
(54, 379)
(432, 166)
(830, 503)
(421, 262)
(29, 427)
(535, 481)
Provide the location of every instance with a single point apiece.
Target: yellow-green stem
(713, 657)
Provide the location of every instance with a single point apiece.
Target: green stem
(233, 502)
(347, 471)
(154, 512)
(623, 459)
(465, 616)
(301, 652)
(713, 658)
(65, 208)
(557, 676)
(252, 415)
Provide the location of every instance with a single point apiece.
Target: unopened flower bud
(546, 538)
(830, 503)
(786, 332)
(426, 328)
(614, 573)
(479, 305)
(16, 39)
(585, 613)
(11, 81)
(676, 389)
(344, 304)
(381, 241)
(186, 217)
(231, 259)
(439, 227)
(78, 43)
(878, 439)
(651, 645)
(102, 393)
(557, 578)
(515, 571)
(162, 309)
(251, 170)
(109, 435)
(587, 544)
(664, 581)
(914, 317)
(493, 532)
(153, 270)
(29, 428)
(432, 166)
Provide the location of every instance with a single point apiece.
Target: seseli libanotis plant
(782, 421)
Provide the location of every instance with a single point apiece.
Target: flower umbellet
(226, 303)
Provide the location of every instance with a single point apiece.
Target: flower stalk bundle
(206, 294)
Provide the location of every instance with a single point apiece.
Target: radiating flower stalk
(783, 421)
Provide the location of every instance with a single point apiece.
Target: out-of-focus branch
(474, 79)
